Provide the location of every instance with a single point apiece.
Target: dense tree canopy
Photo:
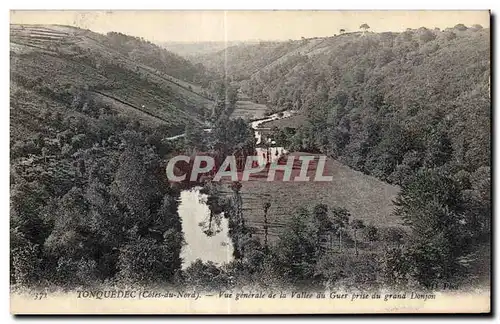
(410, 108)
(90, 203)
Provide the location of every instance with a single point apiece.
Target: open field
(249, 110)
(293, 121)
(366, 197)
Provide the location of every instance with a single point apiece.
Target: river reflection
(208, 241)
(207, 237)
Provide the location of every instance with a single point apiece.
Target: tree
(356, 225)
(432, 206)
(25, 262)
(144, 260)
(237, 228)
(439, 148)
(340, 221)
(364, 27)
(450, 35)
(371, 233)
(476, 27)
(206, 276)
(460, 27)
(266, 207)
(132, 182)
(477, 198)
(232, 136)
(425, 35)
(393, 235)
(297, 250)
(397, 266)
(194, 138)
(320, 213)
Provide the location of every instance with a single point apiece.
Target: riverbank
(367, 199)
(206, 237)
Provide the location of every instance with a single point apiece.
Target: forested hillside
(242, 61)
(152, 55)
(91, 120)
(90, 116)
(60, 66)
(410, 108)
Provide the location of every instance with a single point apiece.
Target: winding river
(209, 241)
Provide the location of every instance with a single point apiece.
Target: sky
(198, 26)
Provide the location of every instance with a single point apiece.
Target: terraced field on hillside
(62, 59)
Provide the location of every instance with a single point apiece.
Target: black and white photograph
(250, 162)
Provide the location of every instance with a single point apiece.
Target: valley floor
(249, 110)
(366, 197)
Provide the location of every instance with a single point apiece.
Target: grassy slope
(366, 197)
(293, 121)
(247, 109)
(58, 57)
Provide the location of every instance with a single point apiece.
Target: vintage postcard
(250, 162)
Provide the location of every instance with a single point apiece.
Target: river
(268, 152)
(195, 215)
(209, 241)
